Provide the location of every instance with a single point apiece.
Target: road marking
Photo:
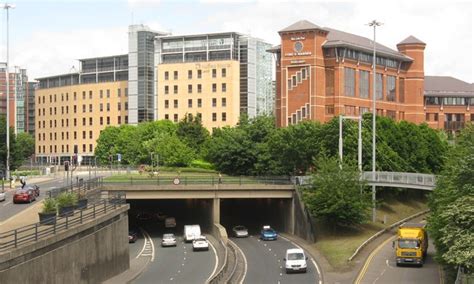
(215, 266)
(9, 202)
(148, 248)
(386, 262)
(312, 260)
(369, 259)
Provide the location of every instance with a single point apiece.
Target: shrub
(66, 199)
(49, 205)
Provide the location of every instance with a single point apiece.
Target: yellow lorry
(411, 245)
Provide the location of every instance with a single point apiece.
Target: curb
(381, 232)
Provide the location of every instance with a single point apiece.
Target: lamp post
(359, 142)
(7, 7)
(374, 24)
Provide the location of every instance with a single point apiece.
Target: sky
(47, 37)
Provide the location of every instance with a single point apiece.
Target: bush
(201, 164)
(49, 205)
(66, 199)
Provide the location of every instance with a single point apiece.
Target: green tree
(3, 146)
(451, 222)
(23, 148)
(171, 150)
(337, 195)
(191, 132)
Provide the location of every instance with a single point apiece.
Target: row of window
(65, 122)
(84, 136)
(199, 88)
(352, 111)
(42, 149)
(65, 97)
(447, 117)
(65, 109)
(364, 90)
(453, 101)
(213, 116)
(198, 74)
(199, 103)
(360, 56)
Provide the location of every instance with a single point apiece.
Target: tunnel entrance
(254, 213)
(185, 211)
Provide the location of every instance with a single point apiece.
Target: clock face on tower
(298, 46)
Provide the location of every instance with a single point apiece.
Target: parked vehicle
(132, 235)
(240, 231)
(200, 243)
(169, 240)
(411, 245)
(2, 195)
(191, 232)
(295, 260)
(268, 234)
(35, 189)
(24, 195)
(170, 222)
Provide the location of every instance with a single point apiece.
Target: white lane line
(215, 266)
(148, 245)
(144, 245)
(9, 202)
(245, 262)
(312, 259)
(386, 262)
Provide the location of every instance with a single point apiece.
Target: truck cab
(411, 245)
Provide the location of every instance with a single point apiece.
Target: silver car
(240, 232)
(169, 240)
(2, 195)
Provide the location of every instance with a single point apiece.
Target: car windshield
(296, 256)
(168, 236)
(240, 228)
(268, 231)
(406, 243)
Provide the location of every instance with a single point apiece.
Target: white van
(191, 232)
(295, 260)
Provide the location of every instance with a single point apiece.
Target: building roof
(447, 86)
(411, 40)
(302, 25)
(340, 38)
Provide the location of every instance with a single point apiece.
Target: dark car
(132, 235)
(24, 195)
(35, 189)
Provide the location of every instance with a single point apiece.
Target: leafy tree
(337, 194)
(106, 144)
(14, 163)
(451, 222)
(191, 132)
(23, 148)
(172, 151)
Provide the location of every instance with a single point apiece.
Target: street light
(359, 142)
(374, 24)
(7, 7)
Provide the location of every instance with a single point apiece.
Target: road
(265, 262)
(382, 268)
(176, 264)
(8, 209)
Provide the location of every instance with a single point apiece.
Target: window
(108, 106)
(90, 134)
(214, 73)
(350, 110)
(67, 137)
(363, 84)
(349, 82)
(379, 112)
(390, 89)
(101, 94)
(175, 117)
(91, 148)
(108, 120)
(167, 116)
(190, 89)
(90, 95)
(90, 121)
(90, 108)
(119, 93)
(101, 107)
(392, 114)
(199, 88)
(75, 122)
(214, 88)
(224, 102)
(363, 110)
(224, 73)
(126, 105)
(119, 106)
(119, 119)
(199, 104)
(126, 92)
(401, 90)
(214, 116)
(167, 75)
(126, 119)
(224, 116)
(175, 75)
(83, 148)
(108, 93)
(199, 75)
(175, 89)
(190, 103)
(167, 104)
(224, 87)
(472, 116)
(175, 103)
(379, 87)
(83, 109)
(329, 82)
(190, 74)
(83, 121)
(167, 90)
(83, 135)
(101, 120)
(75, 109)
(75, 96)
(214, 102)
(329, 109)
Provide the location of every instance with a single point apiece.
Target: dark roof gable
(411, 40)
(302, 25)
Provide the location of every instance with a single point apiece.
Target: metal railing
(464, 277)
(80, 185)
(35, 232)
(196, 180)
(414, 179)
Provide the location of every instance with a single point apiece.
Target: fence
(80, 185)
(463, 277)
(401, 178)
(194, 180)
(33, 233)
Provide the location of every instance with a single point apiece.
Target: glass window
(175, 75)
(224, 72)
(390, 89)
(175, 117)
(349, 82)
(363, 84)
(190, 103)
(214, 116)
(214, 102)
(101, 107)
(108, 93)
(214, 73)
(224, 87)
(83, 109)
(199, 75)
(329, 82)
(119, 92)
(167, 104)
(119, 106)
(90, 121)
(126, 105)
(350, 110)
(330, 109)
(401, 90)
(190, 89)
(167, 90)
(175, 103)
(190, 74)
(224, 116)
(175, 89)
(379, 87)
(224, 102)
(167, 116)
(199, 103)
(108, 120)
(199, 88)
(101, 94)
(363, 110)
(214, 88)
(391, 114)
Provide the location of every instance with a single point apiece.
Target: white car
(169, 240)
(295, 260)
(240, 231)
(2, 195)
(200, 243)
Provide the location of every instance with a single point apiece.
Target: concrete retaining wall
(303, 224)
(89, 253)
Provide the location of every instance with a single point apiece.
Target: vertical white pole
(374, 114)
(359, 156)
(340, 138)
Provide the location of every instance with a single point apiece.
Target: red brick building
(322, 73)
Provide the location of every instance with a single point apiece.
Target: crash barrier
(32, 233)
(193, 180)
(381, 232)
